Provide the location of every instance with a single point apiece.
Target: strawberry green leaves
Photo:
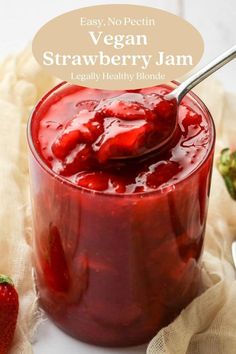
(9, 308)
(227, 168)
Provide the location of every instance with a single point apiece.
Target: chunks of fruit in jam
(122, 126)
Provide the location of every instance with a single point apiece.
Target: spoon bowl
(175, 97)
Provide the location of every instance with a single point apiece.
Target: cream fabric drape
(22, 83)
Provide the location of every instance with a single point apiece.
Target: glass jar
(113, 269)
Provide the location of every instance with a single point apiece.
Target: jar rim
(70, 184)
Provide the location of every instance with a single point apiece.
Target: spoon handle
(203, 73)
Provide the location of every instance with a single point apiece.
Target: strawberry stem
(5, 279)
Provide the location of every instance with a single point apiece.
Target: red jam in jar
(117, 241)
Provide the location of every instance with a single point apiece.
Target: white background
(19, 21)
(215, 19)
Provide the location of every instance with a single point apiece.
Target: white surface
(19, 21)
(51, 340)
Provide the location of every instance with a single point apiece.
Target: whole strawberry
(9, 306)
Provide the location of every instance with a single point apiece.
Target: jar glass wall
(112, 269)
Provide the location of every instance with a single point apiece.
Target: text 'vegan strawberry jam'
(117, 241)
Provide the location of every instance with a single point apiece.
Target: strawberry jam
(117, 241)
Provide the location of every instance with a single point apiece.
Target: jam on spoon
(128, 125)
(85, 134)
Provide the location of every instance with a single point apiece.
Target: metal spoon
(202, 74)
(180, 91)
